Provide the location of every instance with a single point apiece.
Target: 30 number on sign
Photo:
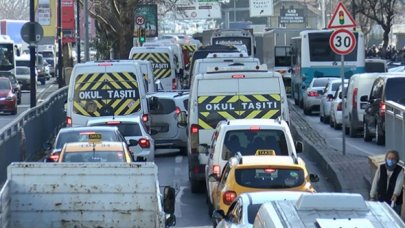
(342, 41)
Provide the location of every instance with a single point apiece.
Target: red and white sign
(342, 41)
(341, 18)
(140, 20)
(68, 21)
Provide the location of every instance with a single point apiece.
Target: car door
(164, 119)
(372, 108)
(217, 192)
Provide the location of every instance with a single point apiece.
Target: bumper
(170, 143)
(312, 103)
(8, 106)
(338, 117)
(143, 155)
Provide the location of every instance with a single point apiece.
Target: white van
(163, 64)
(106, 89)
(149, 78)
(222, 60)
(229, 93)
(359, 85)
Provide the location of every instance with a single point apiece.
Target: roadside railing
(23, 138)
(395, 127)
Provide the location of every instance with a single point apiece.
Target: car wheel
(183, 151)
(306, 111)
(210, 207)
(352, 131)
(196, 186)
(326, 119)
(14, 112)
(19, 99)
(43, 82)
(296, 101)
(379, 138)
(366, 134)
(336, 126)
(321, 118)
(301, 103)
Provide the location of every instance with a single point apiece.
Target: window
(5, 84)
(165, 106)
(22, 70)
(335, 86)
(98, 156)
(269, 177)
(6, 56)
(252, 212)
(250, 142)
(320, 50)
(126, 129)
(75, 136)
(320, 82)
(394, 90)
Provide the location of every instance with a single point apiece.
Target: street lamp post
(59, 35)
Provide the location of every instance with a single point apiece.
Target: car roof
(252, 161)
(250, 122)
(132, 119)
(266, 196)
(94, 128)
(169, 94)
(85, 146)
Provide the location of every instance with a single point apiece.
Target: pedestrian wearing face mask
(388, 181)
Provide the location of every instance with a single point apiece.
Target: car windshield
(22, 70)
(254, 142)
(82, 136)
(4, 84)
(90, 156)
(269, 177)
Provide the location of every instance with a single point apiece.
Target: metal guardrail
(395, 127)
(24, 137)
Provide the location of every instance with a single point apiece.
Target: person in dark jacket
(388, 182)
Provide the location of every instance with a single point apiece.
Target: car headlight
(9, 98)
(2, 98)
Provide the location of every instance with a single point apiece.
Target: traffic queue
(222, 108)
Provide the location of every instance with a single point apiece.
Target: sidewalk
(349, 173)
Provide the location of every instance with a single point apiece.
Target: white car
(243, 210)
(23, 75)
(131, 128)
(312, 95)
(248, 137)
(327, 98)
(336, 119)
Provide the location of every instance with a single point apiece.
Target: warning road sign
(341, 18)
(342, 41)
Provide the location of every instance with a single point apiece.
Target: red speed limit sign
(342, 41)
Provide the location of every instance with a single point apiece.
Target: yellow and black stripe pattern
(189, 47)
(106, 94)
(213, 109)
(160, 63)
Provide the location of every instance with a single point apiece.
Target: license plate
(265, 152)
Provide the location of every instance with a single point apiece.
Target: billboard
(45, 15)
(68, 21)
(291, 16)
(261, 8)
(199, 9)
(146, 18)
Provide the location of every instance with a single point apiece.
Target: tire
(183, 151)
(326, 120)
(301, 103)
(14, 112)
(306, 111)
(331, 122)
(336, 126)
(321, 118)
(296, 102)
(366, 135)
(43, 82)
(352, 132)
(196, 186)
(378, 137)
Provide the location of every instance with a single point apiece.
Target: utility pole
(33, 81)
(78, 30)
(86, 31)
(59, 35)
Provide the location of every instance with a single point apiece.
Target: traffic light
(142, 35)
(341, 18)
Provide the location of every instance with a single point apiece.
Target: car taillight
(68, 121)
(382, 108)
(216, 169)
(54, 157)
(255, 128)
(113, 123)
(144, 143)
(354, 98)
(339, 106)
(177, 111)
(174, 84)
(313, 94)
(229, 197)
(194, 128)
(145, 118)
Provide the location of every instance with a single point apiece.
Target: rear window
(251, 142)
(98, 156)
(185, 103)
(77, 136)
(394, 90)
(335, 86)
(126, 129)
(269, 177)
(165, 106)
(22, 70)
(375, 67)
(320, 82)
(25, 63)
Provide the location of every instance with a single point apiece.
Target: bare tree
(14, 9)
(115, 21)
(382, 12)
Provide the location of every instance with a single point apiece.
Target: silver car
(312, 95)
(132, 129)
(165, 129)
(327, 98)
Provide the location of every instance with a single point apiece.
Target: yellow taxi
(95, 151)
(260, 173)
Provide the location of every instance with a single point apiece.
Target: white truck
(85, 195)
(327, 210)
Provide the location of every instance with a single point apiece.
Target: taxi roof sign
(94, 138)
(341, 18)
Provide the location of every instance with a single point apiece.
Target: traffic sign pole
(33, 81)
(342, 76)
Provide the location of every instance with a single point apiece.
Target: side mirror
(313, 177)
(218, 215)
(182, 119)
(213, 177)
(132, 142)
(169, 196)
(203, 148)
(364, 98)
(299, 147)
(330, 96)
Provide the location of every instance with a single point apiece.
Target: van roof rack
(216, 69)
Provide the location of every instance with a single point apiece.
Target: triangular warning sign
(341, 18)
